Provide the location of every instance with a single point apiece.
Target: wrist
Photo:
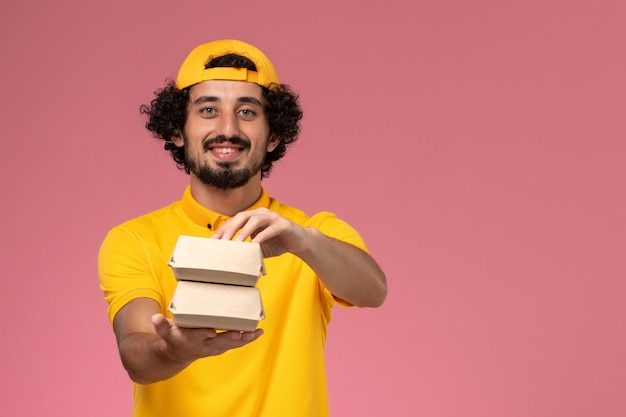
(308, 243)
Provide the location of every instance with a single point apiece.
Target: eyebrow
(213, 99)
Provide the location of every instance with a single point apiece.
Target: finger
(261, 235)
(164, 326)
(161, 324)
(250, 336)
(205, 333)
(237, 339)
(261, 224)
(241, 225)
(248, 231)
(231, 226)
(217, 234)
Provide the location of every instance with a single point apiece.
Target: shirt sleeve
(125, 271)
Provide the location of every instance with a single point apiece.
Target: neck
(228, 202)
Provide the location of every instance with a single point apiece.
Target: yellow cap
(193, 72)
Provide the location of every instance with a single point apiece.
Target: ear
(272, 143)
(177, 139)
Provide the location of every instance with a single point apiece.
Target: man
(225, 121)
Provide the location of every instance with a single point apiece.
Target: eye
(209, 111)
(247, 112)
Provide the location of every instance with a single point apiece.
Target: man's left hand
(275, 233)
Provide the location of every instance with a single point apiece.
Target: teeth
(225, 150)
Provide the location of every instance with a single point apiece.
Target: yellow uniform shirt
(280, 374)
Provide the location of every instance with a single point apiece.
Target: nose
(228, 125)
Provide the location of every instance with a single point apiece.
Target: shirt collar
(211, 219)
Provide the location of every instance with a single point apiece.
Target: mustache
(235, 140)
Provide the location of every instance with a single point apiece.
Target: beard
(225, 176)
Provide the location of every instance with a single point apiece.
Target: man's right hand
(187, 345)
(153, 348)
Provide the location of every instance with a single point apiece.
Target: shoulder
(326, 222)
(146, 227)
(294, 214)
(149, 220)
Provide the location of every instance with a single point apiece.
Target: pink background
(478, 146)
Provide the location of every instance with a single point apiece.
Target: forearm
(348, 272)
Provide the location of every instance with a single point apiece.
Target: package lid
(218, 261)
(216, 306)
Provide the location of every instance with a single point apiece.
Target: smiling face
(226, 134)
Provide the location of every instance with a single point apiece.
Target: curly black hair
(167, 113)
